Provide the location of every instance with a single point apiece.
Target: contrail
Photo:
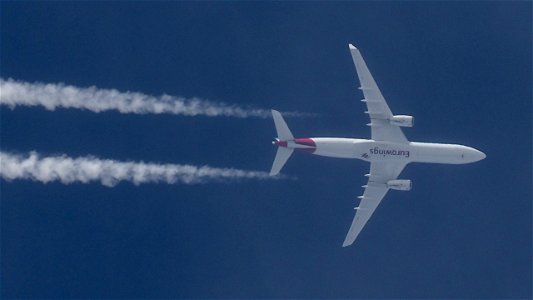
(110, 172)
(51, 96)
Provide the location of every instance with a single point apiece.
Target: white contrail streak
(110, 172)
(51, 96)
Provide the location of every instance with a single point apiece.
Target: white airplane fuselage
(370, 150)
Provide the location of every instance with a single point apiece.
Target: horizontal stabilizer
(282, 129)
(282, 156)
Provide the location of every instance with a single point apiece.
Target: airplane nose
(479, 155)
(473, 155)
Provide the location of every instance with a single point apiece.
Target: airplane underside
(388, 150)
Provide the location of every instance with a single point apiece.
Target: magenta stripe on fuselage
(306, 142)
(280, 143)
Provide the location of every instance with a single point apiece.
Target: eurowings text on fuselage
(370, 150)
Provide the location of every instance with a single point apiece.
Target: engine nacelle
(400, 184)
(402, 121)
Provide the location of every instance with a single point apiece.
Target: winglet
(352, 46)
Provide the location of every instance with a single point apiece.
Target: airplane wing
(377, 107)
(375, 190)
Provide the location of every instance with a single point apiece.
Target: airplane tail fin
(284, 134)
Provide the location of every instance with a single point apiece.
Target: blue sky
(463, 69)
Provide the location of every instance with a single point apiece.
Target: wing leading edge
(375, 190)
(377, 107)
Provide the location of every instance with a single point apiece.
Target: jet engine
(400, 184)
(402, 121)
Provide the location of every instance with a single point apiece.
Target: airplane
(388, 150)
